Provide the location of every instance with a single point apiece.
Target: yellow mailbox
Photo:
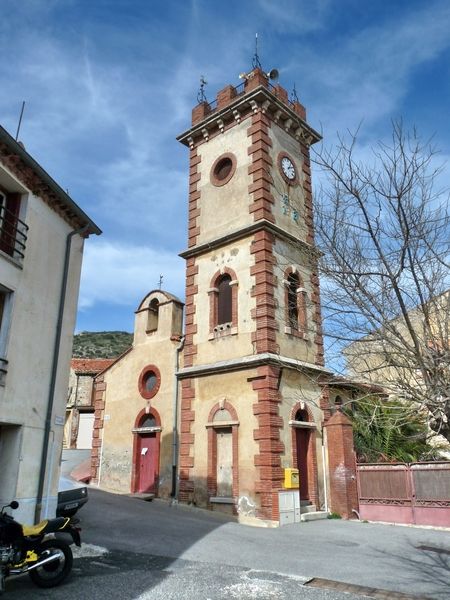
(291, 478)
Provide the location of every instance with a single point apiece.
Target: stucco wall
(23, 400)
(289, 207)
(123, 403)
(236, 390)
(224, 209)
(238, 258)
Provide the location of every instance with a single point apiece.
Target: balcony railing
(3, 370)
(13, 234)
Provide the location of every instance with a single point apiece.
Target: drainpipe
(174, 492)
(325, 471)
(55, 359)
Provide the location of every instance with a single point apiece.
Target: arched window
(223, 309)
(293, 285)
(148, 421)
(295, 303)
(153, 314)
(224, 300)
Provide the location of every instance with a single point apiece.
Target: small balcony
(13, 235)
(3, 370)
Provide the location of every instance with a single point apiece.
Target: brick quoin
(268, 461)
(187, 440)
(99, 406)
(342, 466)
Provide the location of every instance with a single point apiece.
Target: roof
(169, 298)
(90, 365)
(14, 156)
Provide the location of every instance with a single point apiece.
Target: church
(222, 414)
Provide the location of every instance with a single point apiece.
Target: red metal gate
(417, 493)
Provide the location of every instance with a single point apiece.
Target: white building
(42, 232)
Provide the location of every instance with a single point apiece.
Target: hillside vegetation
(101, 344)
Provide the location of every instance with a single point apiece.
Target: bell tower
(253, 349)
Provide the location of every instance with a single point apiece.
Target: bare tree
(383, 227)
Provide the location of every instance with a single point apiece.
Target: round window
(223, 169)
(149, 381)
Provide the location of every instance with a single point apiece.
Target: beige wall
(284, 214)
(238, 258)
(235, 389)
(23, 399)
(123, 402)
(224, 209)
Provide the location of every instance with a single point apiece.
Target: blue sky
(109, 84)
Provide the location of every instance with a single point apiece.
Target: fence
(417, 493)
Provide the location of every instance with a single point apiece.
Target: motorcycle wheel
(52, 573)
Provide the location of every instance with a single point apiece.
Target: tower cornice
(248, 231)
(245, 104)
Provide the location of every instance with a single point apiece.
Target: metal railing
(13, 234)
(3, 370)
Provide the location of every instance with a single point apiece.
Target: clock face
(287, 166)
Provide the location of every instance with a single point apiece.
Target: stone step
(145, 497)
(307, 508)
(314, 516)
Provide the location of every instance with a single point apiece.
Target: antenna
(161, 277)
(255, 61)
(20, 120)
(294, 97)
(201, 92)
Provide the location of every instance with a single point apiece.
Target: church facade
(250, 398)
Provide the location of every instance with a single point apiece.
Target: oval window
(149, 381)
(223, 169)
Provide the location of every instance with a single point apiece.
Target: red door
(302, 439)
(148, 460)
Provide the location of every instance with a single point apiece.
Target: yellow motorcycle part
(34, 529)
(31, 557)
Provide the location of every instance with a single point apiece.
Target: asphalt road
(161, 551)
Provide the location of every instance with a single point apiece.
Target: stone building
(42, 234)
(251, 398)
(80, 401)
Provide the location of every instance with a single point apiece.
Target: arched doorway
(303, 441)
(146, 453)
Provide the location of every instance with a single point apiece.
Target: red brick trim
(313, 479)
(99, 391)
(134, 487)
(214, 296)
(341, 465)
(212, 174)
(269, 473)
(190, 349)
(261, 161)
(187, 438)
(317, 319)
(266, 326)
(141, 381)
(291, 182)
(194, 197)
(212, 449)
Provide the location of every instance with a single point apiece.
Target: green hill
(101, 344)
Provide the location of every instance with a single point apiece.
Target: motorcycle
(35, 550)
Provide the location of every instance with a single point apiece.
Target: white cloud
(122, 274)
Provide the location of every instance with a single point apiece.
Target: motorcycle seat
(46, 526)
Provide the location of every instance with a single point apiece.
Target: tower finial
(294, 97)
(161, 277)
(201, 97)
(255, 62)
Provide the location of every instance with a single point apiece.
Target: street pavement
(138, 550)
